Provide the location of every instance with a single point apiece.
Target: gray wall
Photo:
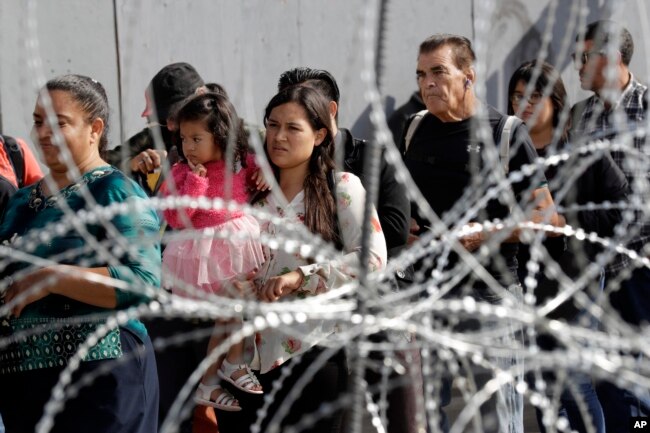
(245, 45)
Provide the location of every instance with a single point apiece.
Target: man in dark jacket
(140, 157)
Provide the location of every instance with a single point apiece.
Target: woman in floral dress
(330, 205)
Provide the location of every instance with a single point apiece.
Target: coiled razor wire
(416, 319)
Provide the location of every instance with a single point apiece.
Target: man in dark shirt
(454, 162)
(450, 150)
(619, 105)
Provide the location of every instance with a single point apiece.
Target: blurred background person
(542, 105)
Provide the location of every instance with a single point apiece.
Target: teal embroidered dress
(101, 220)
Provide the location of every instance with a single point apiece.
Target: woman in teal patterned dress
(77, 246)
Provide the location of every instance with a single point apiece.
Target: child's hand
(245, 285)
(198, 169)
(282, 285)
(260, 182)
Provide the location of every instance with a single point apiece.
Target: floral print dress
(274, 346)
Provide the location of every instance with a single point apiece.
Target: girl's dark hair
(320, 207)
(90, 95)
(547, 74)
(221, 120)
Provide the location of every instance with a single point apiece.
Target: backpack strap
(413, 126)
(15, 154)
(504, 144)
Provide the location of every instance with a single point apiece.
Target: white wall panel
(246, 44)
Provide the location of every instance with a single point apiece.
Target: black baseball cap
(171, 85)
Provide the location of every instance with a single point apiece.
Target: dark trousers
(569, 408)
(632, 301)
(403, 392)
(503, 411)
(581, 383)
(181, 345)
(327, 385)
(123, 397)
(619, 405)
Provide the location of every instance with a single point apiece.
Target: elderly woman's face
(76, 130)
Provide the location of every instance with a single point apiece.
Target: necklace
(39, 201)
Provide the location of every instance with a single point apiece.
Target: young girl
(227, 243)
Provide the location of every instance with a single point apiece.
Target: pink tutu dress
(220, 244)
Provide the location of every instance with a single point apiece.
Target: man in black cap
(167, 89)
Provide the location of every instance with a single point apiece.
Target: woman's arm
(139, 253)
(73, 282)
(319, 277)
(134, 240)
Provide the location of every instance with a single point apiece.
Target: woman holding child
(299, 147)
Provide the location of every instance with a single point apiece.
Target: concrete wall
(246, 44)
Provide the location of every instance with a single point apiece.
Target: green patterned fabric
(47, 344)
(51, 329)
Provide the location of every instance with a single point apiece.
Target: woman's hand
(198, 169)
(148, 160)
(27, 289)
(282, 285)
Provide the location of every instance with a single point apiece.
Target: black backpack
(15, 154)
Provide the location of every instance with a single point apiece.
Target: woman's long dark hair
(320, 208)
(547, 74)
(221, 120)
